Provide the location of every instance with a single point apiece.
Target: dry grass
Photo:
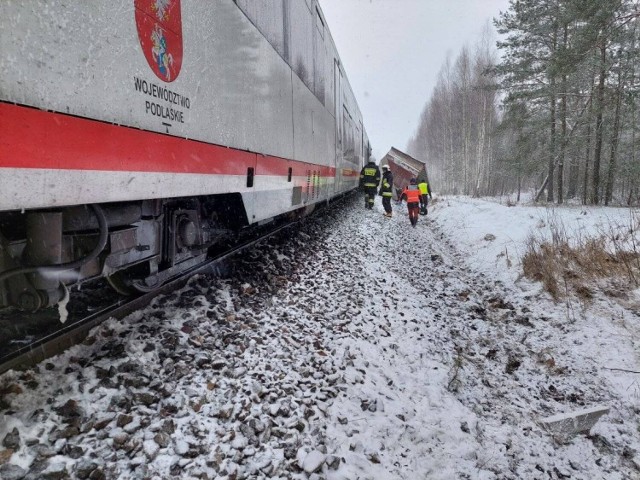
(567, 265)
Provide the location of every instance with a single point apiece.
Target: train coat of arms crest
(159, 24)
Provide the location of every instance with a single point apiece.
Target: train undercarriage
(136, 246)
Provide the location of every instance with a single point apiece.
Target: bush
(575, 264)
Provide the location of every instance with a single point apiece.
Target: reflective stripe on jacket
(386, 189)
(370, 175)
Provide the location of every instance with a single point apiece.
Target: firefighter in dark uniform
(369, 180)
(386, 190)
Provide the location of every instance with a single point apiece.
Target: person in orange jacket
(412, 194)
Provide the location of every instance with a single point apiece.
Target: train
(138, 135)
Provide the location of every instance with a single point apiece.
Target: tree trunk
(597, 156)
(552, 140)
(563, 128)
(480, 151)
(587, 155)
(614, 144)
(552, 146)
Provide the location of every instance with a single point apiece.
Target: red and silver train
(136, 134)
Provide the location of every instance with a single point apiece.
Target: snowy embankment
(358, 348)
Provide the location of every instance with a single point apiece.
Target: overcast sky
(392, 51)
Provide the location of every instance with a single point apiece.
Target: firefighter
(425, 195)
(386, 190)
(412, 194)
(369, 180)
(398, 195)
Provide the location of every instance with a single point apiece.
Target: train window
(268, 17)
(301, 47)
(250, 175)
(290, 174)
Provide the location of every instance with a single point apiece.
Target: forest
(549, 105)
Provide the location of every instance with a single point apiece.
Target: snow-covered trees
(567, 81)
(455, 131)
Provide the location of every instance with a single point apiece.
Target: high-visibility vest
(424, 188)
(412, 193)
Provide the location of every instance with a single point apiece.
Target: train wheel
(127, 285)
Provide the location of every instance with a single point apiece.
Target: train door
(249, 194)
(349, 151)
(358, 147)
(363, 159)
(337, 95)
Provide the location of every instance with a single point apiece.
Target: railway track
(22, 353)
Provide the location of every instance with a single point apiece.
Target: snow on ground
(467, 223)
(357, 348)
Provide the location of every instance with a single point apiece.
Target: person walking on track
(369, 180)
(412, 194)
(425, 195)
(386, 190)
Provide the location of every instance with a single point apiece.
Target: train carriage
(137, 134)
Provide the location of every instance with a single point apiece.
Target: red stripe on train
(33, 138)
